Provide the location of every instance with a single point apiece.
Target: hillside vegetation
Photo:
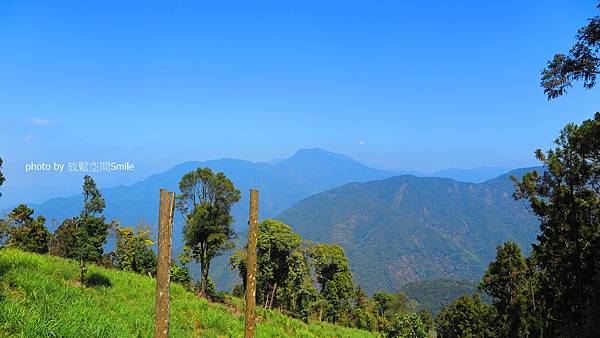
(406, 228)
(40, 297)
(434, 294)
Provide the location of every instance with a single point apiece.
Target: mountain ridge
(406, 228)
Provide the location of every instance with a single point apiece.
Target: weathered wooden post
(163, 268)
(251, 265)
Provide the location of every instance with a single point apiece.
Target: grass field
(40, 297)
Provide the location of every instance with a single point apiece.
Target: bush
(406, 325)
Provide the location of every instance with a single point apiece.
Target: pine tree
(566, 199)
(92, 230)
(511, 281)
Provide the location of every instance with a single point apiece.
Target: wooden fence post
(251, 265)
(163, 268)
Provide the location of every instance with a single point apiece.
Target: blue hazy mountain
(474, 175)
(406, 228)
(307, 172)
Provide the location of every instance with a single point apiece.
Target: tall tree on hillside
(581, 63)
(27, 233)
(92, 230)
(566, 198)
(2, 178)
(511, 282)
(205, 203)
(282, 269)
(334, 277)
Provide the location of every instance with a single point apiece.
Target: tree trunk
(204, 279)
(273, 295)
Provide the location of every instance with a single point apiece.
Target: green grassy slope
(39, 297)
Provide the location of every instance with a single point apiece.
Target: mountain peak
(318, 154)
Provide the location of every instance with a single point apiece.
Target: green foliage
(26, 233)
(434, 294)
(180, 273)
(134, 250)
(2, 178)
(405, 229)
(64, 241)
(83, 237)
(39, 298)
(205, 203)
(512, 283)
(581, 63)
(93, 202)
(283, 279)
(334, 277)
(566, 198)
(467, 317)
(426, 319)
(388, 305)
(406, 325)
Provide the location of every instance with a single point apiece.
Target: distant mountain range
(396, 229)
(406, 228)
(281, 185)
(474, 175)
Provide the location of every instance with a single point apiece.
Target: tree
(205, 203)
(467, 317)
(134, 250)
(27, 233)
(566, 199)
(406, 325)
(282, 269)
(91, 229)
(64, 241)
(387, 304)
(363, 312)
(2, 178)
(180, 273)
(512, 283)
(334, 277)
(426, 319)
(581, 63)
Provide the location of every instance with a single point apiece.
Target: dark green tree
(581, 63)
(363, 311)
(2, 178)
(134, 250)
(205, 203)
(27, 233)
(426, 319)
(467, 317)
(512, 283)
(91, 229)
(565, 197)
(64, 241)
(387, 305)
(334, 277)
(282, 269)
(180, 273)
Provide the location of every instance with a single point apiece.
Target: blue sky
(395, 84)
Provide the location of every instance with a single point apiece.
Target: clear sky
(419, 85)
